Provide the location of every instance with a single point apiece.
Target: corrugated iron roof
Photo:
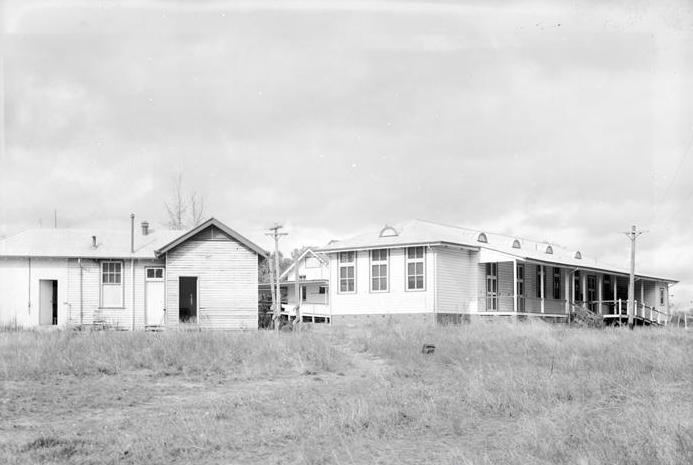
(78, 243)
(420, 232)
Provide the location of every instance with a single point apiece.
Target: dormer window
(516, 244)
(549, 250)
(578, 255)
(482, 238)
(388, 231)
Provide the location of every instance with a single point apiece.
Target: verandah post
(543, 280)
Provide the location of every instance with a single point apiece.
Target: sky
(567, 121)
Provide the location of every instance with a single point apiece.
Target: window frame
(521, 287)
(346, 265)
(415, 260)
(491, 295)
(121, 284)
(556, 283)
(380, 262)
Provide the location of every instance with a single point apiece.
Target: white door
(46, 302)
(155, 306)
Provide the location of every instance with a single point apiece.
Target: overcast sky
(562, 121)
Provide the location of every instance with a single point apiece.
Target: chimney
(93, 241)
(145, 228)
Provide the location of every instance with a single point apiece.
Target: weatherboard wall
(396, 300)
(227, 275)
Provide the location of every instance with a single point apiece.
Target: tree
(184, 211)
(264, 275)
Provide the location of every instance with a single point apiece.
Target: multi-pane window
(155, 273)
(520, 287)
(592, 292)
(491, 286)
(556, 283)
(347, 272)
(415, 268)
(577, 288)
(379, 270)
(111, 284)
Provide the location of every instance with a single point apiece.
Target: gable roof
(420, 232)
(201, 227)
(319, 256)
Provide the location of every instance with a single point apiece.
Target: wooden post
(541, 283)
(583, 290)
(276, 295)
(566, 283)
(297, 291)
(615, 291)
(633, 234)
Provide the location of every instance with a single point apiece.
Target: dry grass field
(490, 394)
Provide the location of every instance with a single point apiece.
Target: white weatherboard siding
(14, 289)
(456, 280)
(91, 310)
(227, 282)
(396, 301)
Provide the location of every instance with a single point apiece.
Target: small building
(206, 276)
(311, 269)
(426, 271)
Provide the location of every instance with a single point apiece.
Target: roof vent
(578, 255)
(549, 249)
(482, 238)
(93, 242)
(388, 231)
(516, 244)
(145, 228)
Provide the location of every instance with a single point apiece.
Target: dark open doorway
(48, 302)
(187, 299)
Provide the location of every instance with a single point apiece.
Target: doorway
(48, 302)
(187, 299)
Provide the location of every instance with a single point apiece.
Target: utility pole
(276, 294)
(633, 234)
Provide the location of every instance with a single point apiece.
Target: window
(347, 272)
(491, 286)
(379, 270)
(576, 287)
(592, 292)
(578, 255)
(520, 287)
(661, 296)
(415, 268)
(516, 244)
(304, 293)
(322, 290)
(549, 249)
(155, 273)
(312, 262)
(111, 284)
(556, 283)
(482, 238)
